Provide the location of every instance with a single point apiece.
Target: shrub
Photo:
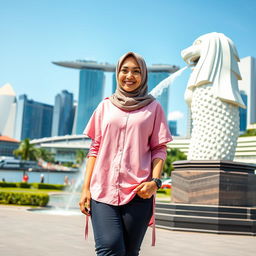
(166, 191)
(48, 186)
(23, 198)
(8, 184)
(23, 185)
(34, 185)
(161, 191)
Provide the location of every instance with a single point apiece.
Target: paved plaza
(24, 233)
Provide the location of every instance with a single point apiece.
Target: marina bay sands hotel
(91, 86)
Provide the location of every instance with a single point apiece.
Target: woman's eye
(137, 71)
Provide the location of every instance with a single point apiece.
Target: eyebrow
(132, 68)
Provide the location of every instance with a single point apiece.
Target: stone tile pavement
(25, 233)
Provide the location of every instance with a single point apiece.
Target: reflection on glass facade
(243, 113)
(33, 120)
(63, 114)
(7, 147)
(91, 88)
(154, 78)
(173, 127)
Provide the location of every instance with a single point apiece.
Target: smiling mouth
(129, 82)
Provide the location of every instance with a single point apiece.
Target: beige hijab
(139, 97)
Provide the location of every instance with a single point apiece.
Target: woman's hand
(85, 202)
(146, 189)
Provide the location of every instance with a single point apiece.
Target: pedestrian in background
(42, 178)
(25, 178)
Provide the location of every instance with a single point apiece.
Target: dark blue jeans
(119, 230)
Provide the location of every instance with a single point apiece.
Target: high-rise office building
(243, 113)
(63, 114)
(7, 110)
(247, 68)
(91, 88)
(173, 127)
(7, 146)
(75, 117)
(33, 119)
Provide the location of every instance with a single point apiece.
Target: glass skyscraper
(243, 113)
(91, 88)
(33, 119)
(63, 114)
(173, 127)
(247, 67)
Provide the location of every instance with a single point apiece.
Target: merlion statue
(213, 96)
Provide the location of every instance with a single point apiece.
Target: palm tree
(174, 154)
(46, 155)
(26, 150)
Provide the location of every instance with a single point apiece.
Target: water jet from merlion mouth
(158, 90)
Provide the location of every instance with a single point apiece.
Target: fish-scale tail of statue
(215, 126)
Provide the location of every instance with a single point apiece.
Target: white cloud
(175, 115)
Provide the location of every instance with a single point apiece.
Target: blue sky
(36, 32)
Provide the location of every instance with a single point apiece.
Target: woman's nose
(129, 74)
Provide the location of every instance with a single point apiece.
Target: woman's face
(129, 76)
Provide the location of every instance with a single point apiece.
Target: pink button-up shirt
(125, 144)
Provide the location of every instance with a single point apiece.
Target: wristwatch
(158, 182)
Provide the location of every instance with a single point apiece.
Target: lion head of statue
(215, 61)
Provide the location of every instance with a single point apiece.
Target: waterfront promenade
(25, 233)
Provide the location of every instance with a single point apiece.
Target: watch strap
(158, 182)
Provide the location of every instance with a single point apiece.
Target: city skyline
(35, 33)
(65, 109)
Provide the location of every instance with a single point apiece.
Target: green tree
(45, 154)
(80, 156)
(173, 154)
(26, 151)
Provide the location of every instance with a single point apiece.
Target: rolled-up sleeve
(93, 130)
(159, 152)
(94, 148)
(160, 135)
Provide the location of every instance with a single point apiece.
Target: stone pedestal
(211, 196)
(214, 182)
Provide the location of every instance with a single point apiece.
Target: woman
(129, 135)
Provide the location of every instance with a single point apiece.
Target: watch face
(158, 182)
